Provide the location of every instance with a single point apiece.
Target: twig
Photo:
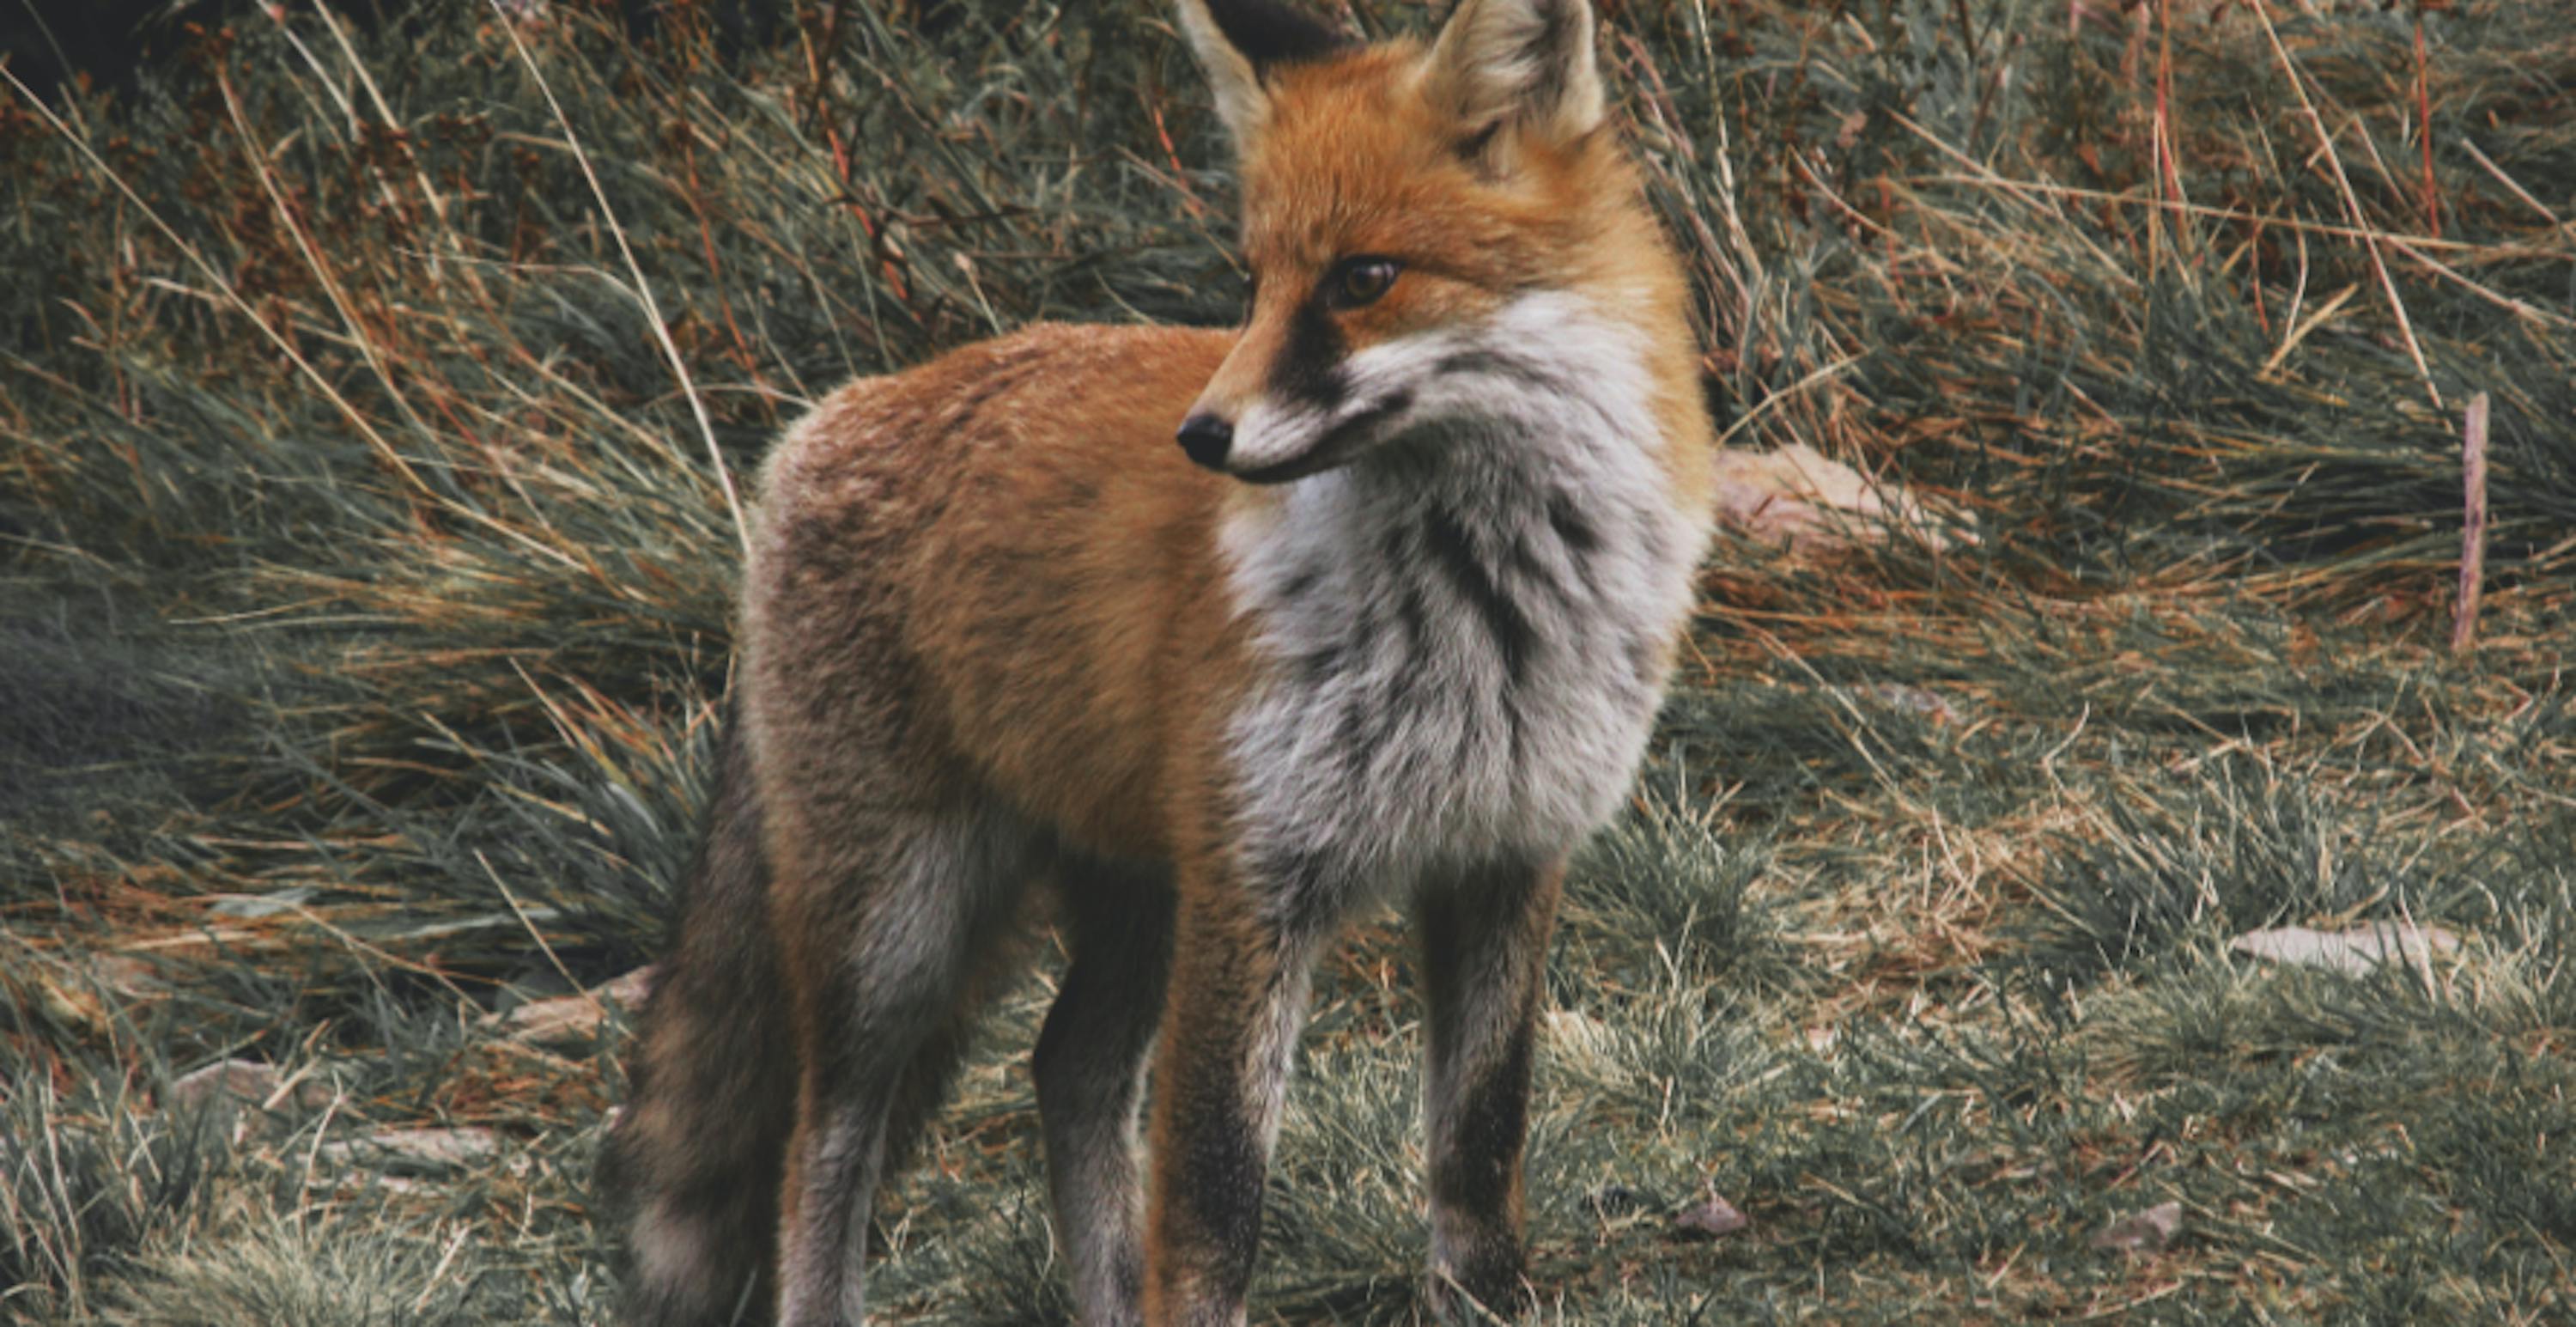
(1172, 153)
(464, 1231)
(2511, 184)
(2424, 126)
(2299, 288)
(819, 69)
(2473, 534)
(2027, 193)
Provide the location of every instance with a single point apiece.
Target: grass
(363, 607)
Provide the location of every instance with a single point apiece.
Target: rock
(2357, 951)
(238, 1080)
(418, 1151)
(2148, 1231)
(575, 1019)
(1797, 498)
(1713, 1217)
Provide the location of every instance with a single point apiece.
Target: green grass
(349, 701)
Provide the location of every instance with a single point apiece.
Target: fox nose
(1207, 439)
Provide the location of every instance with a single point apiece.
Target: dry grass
(363, 449)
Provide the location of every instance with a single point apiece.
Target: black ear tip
(1269, 32)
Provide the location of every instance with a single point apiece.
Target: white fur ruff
(1466, 628)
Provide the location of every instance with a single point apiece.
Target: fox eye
(1357, 281)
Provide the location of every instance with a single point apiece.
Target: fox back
(1391, 621)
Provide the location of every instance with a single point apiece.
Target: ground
(363, 614)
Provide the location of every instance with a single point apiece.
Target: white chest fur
(1466, 631)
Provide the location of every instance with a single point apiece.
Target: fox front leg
(1484, 961)
(1240, 978)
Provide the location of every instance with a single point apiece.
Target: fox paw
(1492, 1291)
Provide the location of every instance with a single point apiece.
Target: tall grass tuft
(373, 403)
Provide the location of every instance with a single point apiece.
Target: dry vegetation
(363, 424)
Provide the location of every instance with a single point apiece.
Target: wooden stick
(2473, 536)
(2424, 123)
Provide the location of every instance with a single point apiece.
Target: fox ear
(1527, 63)
(1238, 41)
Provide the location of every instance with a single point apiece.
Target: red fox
(1391, 622)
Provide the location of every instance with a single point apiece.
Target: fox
(1215, 637)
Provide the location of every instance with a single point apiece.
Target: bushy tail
(691, 1169)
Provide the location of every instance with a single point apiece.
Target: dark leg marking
(1303, 900)
(1226, 1167)
(1484, 948)
(1240, 981)
(699, 1149)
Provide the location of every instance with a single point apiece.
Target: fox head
(1420, 221)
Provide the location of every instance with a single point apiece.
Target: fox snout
(1206, 437)
(1285, 403)
(1288, 425)
(1273, 445)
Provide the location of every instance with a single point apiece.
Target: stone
(2147, 1231)
(2357, 951)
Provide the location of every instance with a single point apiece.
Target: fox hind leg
(888, 948)
(1090, 1066)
